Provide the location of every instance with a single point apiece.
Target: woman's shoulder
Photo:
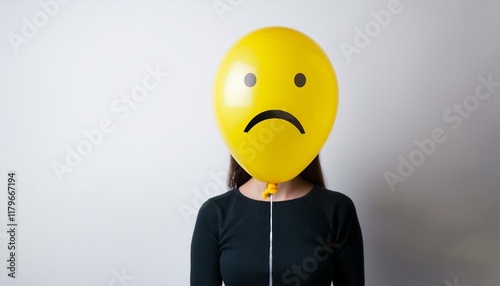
(221, 209)
(222, 201)
(325, 193)
(331, 199)
(333, 208)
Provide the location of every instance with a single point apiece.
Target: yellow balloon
(275, 99)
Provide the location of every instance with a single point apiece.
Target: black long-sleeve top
(316, 241)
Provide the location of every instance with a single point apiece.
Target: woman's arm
(348, 265)
(205, 266)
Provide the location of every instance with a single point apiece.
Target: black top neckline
(313, 189)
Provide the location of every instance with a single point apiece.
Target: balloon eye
(250, 79)
(300, 80)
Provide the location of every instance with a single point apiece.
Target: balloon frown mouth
(276, 113)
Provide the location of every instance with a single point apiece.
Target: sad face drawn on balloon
(273, 77)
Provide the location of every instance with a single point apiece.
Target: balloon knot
(272, 188)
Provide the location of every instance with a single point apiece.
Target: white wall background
(124, 215)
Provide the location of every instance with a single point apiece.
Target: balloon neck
(272, 188)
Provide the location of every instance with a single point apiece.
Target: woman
(316, 234)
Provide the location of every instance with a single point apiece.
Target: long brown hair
(237, 176)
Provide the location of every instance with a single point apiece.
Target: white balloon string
(271, 244)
